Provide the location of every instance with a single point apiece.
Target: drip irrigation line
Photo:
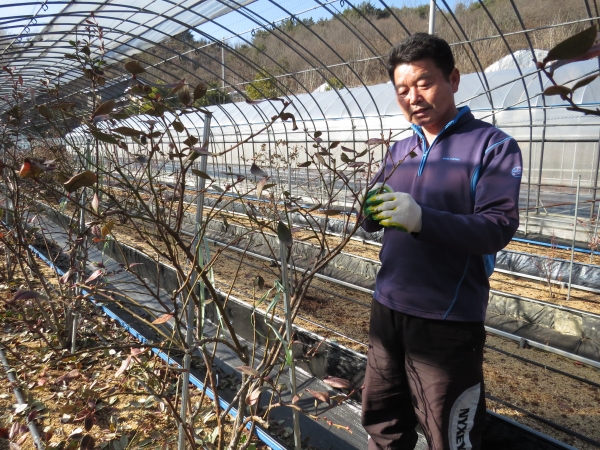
(543, 303)
(545, 421)
(37, 439)
(548, 244)
(366, 305)
(333, 331)
(544, 366)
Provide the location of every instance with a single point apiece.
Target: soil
(551, 252)
(570, 403)
(565, 401)
(91, 392)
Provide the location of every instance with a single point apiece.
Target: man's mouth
(419, 112)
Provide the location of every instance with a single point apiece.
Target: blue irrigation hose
(262, 435)
(548, 244)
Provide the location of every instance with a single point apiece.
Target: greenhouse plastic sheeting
(580, 346)
(129, 27)
(587, 275)
(344, 267)
(574, 331)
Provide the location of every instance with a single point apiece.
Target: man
(446, 211)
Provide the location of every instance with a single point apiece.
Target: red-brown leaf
(320, 395)
(72, 375)
(97, 273)
(88, 423)
(23, 294)
(31, 169)
(106, 229)
(162, 319)
(134, 67)
(338, 383)
(257, 171)
(67, 276)
(87, 443)
(105, 108)
(84, 179)
(48, 435)
(252, 399)
(15, 430)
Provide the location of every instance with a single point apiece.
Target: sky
(13, 15)
(234, 27)
(268, 10)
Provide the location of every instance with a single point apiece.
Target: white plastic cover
(129, 27)
(355, 115)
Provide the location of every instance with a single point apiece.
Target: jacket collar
(464, 114)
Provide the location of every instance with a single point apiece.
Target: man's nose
(414, 96)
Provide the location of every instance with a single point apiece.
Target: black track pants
(423, 371)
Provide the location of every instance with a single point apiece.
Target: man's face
(425, 96)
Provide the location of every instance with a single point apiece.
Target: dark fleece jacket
(467, 184)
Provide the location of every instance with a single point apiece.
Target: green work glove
(396, 210)
(369, 192)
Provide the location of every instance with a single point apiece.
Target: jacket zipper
(426, 150)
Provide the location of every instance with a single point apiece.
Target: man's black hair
(421, 46)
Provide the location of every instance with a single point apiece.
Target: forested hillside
(345, 51)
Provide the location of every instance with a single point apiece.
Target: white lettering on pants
(462, 416)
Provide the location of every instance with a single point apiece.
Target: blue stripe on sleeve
(497, 144)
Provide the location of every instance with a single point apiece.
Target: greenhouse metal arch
(331, 89)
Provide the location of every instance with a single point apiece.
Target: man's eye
(402, 93)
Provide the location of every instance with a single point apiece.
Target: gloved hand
(395, 209)
(370, 191)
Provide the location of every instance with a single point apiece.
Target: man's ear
(455, 79)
